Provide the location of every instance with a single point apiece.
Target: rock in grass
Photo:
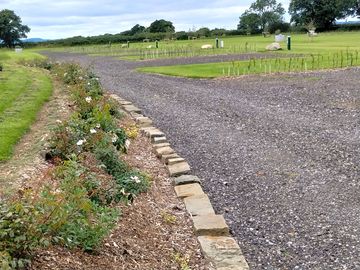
(273, 47)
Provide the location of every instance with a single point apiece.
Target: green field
(326, 51)
(23, 91)
(301, 44)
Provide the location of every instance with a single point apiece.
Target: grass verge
(23, 91)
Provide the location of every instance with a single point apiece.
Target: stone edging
(211, 230)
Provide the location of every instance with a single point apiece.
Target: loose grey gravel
(278, 155)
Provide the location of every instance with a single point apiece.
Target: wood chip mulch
(154, 233)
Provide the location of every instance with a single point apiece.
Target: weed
(182, 261)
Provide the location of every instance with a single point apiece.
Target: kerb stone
(163, 151)
(165, 158)
(213, 225)
(131, 108)
(172, 161)
(178, 168)
(157, 140)
(160, 145)
(144, 121)
(186, 179)
(124, 102)
(199, 205)
(223, 252)
(152, 133)
(188, 190)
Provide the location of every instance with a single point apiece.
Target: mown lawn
(23, 91)
(326, 51)
(301, 43)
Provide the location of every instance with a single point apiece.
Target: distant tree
(249, 23)
(322, 13)
(203, 32)
(281, 26)
(137, 29)
(11, 28)
(218, 32)
(260, 15)
(161, 26)
(182, 35)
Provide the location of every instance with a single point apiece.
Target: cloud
(58, 19)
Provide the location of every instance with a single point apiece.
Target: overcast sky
(66, 18)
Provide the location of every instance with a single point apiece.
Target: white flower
(97, 126)
(114, 138)
(88, 99)
(92, 131)
(136, 179)
(58, 121)
(127, 144)
(80, 78)
(81, 142)
(89, 83)
(65, 74)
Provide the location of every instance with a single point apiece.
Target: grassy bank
(23, 91)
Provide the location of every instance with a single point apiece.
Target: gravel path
(279, 155)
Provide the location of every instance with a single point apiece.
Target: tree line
(263, 16)
(267, 15)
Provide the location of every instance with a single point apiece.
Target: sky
(67, 18)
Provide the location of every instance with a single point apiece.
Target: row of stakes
(218, 43)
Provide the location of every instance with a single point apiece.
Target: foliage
(260, 15)
(282, 26)
(161, 26)
(182, 260)
(249, 23)
(203, 32)
(64, 215)
(11, 28)
(136, 29)
(322, 12)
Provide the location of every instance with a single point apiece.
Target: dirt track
(279, 155)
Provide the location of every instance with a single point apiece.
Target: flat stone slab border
(212, 231)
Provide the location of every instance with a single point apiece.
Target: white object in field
(312, 33)
(124, 45)
(18, 49)
(150, 47)
(273, 47)
(221, 44)
(279, 38)
(207, 46)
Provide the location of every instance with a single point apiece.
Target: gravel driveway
(279, 155)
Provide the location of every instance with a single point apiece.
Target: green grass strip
(23, 91)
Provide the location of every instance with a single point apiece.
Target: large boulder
(273, 47)
(207, 46)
